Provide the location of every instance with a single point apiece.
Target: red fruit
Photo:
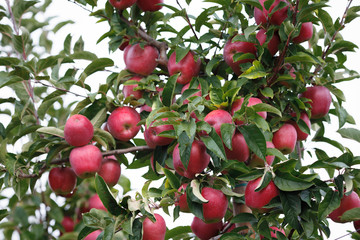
(273, 232)
(273, 44)
(258, 162)
(68, 224)
(141, 60)
(240, 151)
(306, 32)
(95, 202)
(62, 180)
(187, 67)
(180, 199)
(198, 161)
(128, 90)
(215, 209)
(237, 106)
(300, 134)
(151, 134)
(154, 230)
(203, 230)
(357, 226)
(85, 161)
(347, 203)
(257, 200)
(275, 18)
(110, 171)
(149, 5)
(145, 108)
(93, 235)
(122, 123)
(320, 100)
(124, 44)
(78, 130)
(285, 138)
(122, 4)
(216, 118)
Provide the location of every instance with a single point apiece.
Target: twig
(187, 19)
(61, 89)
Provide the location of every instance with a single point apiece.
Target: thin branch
(187, 19)
(61, 89)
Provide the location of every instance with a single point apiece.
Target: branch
(61, 89)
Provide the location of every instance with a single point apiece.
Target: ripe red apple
(300, 134)
(122, 4)
(95, 202)
(236, 105)
(320, 100)
(141, 60)
(145, 108)
(231, 48)
(93, 235)
(122, 123)
(62, 180)
(149, 5)
(68, 224)
(257, 200)
(275, 18)
(285, 138)
(216, 118)
(357, 226)
(347, 203)
(110, 170)
(86, 160)
(273, 232)
(151, 134)
(255, 161)
(273, 44)
(240, 150)
(124, 43)
(128, 90)
(306, 32)
(205, 231)
(187, 67)
(180, 199)
(199, 160)
(215, 209)
(154, 230)
(78, 130)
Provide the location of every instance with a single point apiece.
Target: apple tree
(224, 105)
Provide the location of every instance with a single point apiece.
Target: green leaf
(291, 204)
(20, 187)
(171, 177)
(255, 71)
(301, 57)
(180, 53)
(255, 139)
(214, 143)
(85, 231)
(169, 90)
(351, 215)
(125, 183)
(287, 182)
(178, 232)
(330, 202)
(227, 133)
(95, 66)
(350, 133)
(264, 107)
(8, 61)
(195, 186)
(3, 213)
(105, 136)
(254, 3)
(99, 118)
(62, 24)
(52, 131)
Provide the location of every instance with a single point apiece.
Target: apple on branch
(273, 44)
(265, 16)
(237, 104)
(85, 160)
(181, 198)
(128, 90)
(348, 202)
(216, 118)
(215, 209)
(149, 5)
(68, 224)
(320, 100)
(78, 130)
(188, 67)
(151, 134)
(93, 235)
(154, 230)
(205, 231)
(140, 59)
(122, 4)
(305, 34)
(240, 150)
(255, 161)
(62, 180)
(273, 231)
(95, 202)
(285, 138)
(110, 170)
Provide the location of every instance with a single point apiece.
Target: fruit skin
(300, 134)
(276, 18)
(140, 60)
(93, 235)
(273, 44)
(215, 209)
(216, 118)
(68, 224)
(180, 199)
(62, 180)
(306, 32)
(122, 4)
(320, 100)
(149, 5)
(203, 230)
(122, 123)
(154, 230)
(95, 202)
(357, 226)
(236, 105)
(78, 130)
(151, 134)
(128, 90)
(86, 160)
(187, 67)
(198, 161)
(255, 161)
(110, 170)
(285, 138)
(240, 150)
(347, 203)
(231, 48)
(273, 232)
(257, 200)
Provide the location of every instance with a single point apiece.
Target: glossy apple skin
(110, 171)
(306, 32)
(236, 105)
(262, 16)
(187, 67)
(68, 224)
(151, 134)
(216, 118)
(95, 202)
(320, 100)
(149, 5)
(258, 162)
(122, 123)
(93, 235)
(273, 44)
(215, 209)
(199, 160)
(142, 61)
(231, 48)
(240, 150)
(154, 230)
(62, 180)
(347, 203)
(300, 134)
(180, 199)
(122, 4)
(86, 160)
(285, 138)
(273, 232)
(357, 226)
(205, 231)
(257, 200)
(78, 130)
(128, 90)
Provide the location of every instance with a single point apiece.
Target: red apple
(154, 230)
(124, 43)
(216, 118)
(306, 32)
(257, 200)
(145, 108)
(151, 134)
(236, 105)
(273, 232)
(215, 209)
(300, 134)
(110, 170)
(348, 202)
(62, 180)
(231, 48)
(68, 224)
(320, 100)
(122, 123)
(255, 161)
(141, 60)
(180, 199)
(78, 130)
(275, 18)
(285, 138)
(95, 202)
(357, 226)
(93, 235)
(187, 67)
(205, 231)
(240, 150)
(273, 44)
(199, 160)
(122, 4)
(149, 5)
(128, 90)
(86, 160)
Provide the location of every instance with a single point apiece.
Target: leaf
(177, 232)
(180, 53)
(125, 183)
(255, 71)
(227, 133)
(169, 90)
(288, 183)
(350, 133)
(330, 202)
(52, 131)
(351, 215)
(85, 231)
(301, 57)
(171, 177)
(292, 208)
(195, 185)
(62, 24)
(3, 213)
(95, 66)
(254, 3)
(99, 118)
(214, 143)
(255, 139)
(264, 107)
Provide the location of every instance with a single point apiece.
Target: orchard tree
(219, 108)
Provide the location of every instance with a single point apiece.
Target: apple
(124, 43)
(86, 160)
(205, 231)
(145, 108)
(215, 209)
(285, 138)
(305, 34)
(141, 60)
(187, 67)
(122, 123)
(236, 105)
(154, 230)
(180, 199)
(240, 150)
(257, 200)
(62, 180)
(95, 202)
(151, 134)
(93, 235)
(122, 4)
(320, 100)
(273, 232)
(110, 171)
(68, 224)
(128, 90)
(231, 48)
(357, 226)
(255, 161)
(300, 134)
(273, 44)
(348, 202)
(199, 160)
(216, 118)
(78, 130)
(149, 5)
(275, 18)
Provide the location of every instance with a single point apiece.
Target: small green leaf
(255, 139)
(227, 133)
(169, 90)
(214, 143)
(95, 66)
(330, 202)
(171, 177)
(350, 133)
(52, 131)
